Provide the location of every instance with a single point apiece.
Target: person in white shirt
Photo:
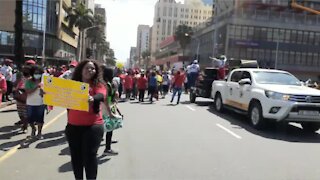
(193, 72)
(166, 81)
(6, 70)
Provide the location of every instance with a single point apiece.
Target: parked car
(265, 95)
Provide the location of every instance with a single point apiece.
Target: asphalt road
(164, 141)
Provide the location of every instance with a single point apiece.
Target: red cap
(30, 62)
(73, 63)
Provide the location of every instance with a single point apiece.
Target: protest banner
(66, 93)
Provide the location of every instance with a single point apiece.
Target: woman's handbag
(20, 95)
(111, 124)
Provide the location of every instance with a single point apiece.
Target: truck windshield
(275, 78)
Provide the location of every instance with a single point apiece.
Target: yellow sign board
(66, 93)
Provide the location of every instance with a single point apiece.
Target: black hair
(34, 69)
(96, 79)
(107, 74)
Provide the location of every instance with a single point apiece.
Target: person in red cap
(69, 73)
(30, 62)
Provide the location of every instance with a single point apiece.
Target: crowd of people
(84, 130)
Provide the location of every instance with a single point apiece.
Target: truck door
(233, 89)
(244, 94)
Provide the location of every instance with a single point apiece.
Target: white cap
(195, 61)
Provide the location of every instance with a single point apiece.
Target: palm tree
(146, 56)
(18, 30)
(97, 34)
(110, 59)
(183, 34)
(82, 18)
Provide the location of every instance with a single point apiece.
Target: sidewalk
(8, 103)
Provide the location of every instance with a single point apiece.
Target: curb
(8, 103)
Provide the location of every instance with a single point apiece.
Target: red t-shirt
(3, 86)
(142, 83)
(179, 80)
(83, 118)
(128, 82)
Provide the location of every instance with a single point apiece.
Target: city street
(166, 141)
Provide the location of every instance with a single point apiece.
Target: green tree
(146, 57)
(18, 33)
(81, 17)
(110, 59)
(97, 34)
(183, 34)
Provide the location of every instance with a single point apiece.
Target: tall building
(169, 14)
(132, 59)
(40, 17)
(269, 31)
(143, 35)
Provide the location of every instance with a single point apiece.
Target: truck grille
(305, 99)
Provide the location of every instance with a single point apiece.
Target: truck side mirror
(245, 81)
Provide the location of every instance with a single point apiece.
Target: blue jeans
(175, 91)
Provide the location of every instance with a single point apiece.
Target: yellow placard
(66, 93)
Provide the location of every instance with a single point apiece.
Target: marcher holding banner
(84, 130)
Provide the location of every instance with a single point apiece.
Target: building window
(285, 57)
(298, 58)
(303, 58)
(292, 57)
(165, 11)
(170, 12)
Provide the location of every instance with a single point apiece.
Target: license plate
(309, 113)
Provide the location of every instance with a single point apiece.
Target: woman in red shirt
(3, 86)
(142, 86)
(177, 85)
(85, 130)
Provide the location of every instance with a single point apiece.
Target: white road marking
(230, 132)
(189, 107)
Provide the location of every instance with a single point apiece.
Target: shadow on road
(67, 167)
(65, 152)
(277, 131)
(9, 128)
(8, 145)
(10, 134)
(61, 140)
(8, 111)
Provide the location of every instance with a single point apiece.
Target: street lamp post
(277, 49)
(198, 47)
(44, 34)
(83, 43)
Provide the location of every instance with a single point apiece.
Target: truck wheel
(256, 117)
(192, 97)
(310, 126)
(218, 104)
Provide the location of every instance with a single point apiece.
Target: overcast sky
(123, 18)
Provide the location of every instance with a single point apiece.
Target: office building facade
(270, 32)
(40, 17)
(143, 42)
(169, 14)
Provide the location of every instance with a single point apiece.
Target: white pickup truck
(265, 95)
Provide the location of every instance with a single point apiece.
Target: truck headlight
(277, 96)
